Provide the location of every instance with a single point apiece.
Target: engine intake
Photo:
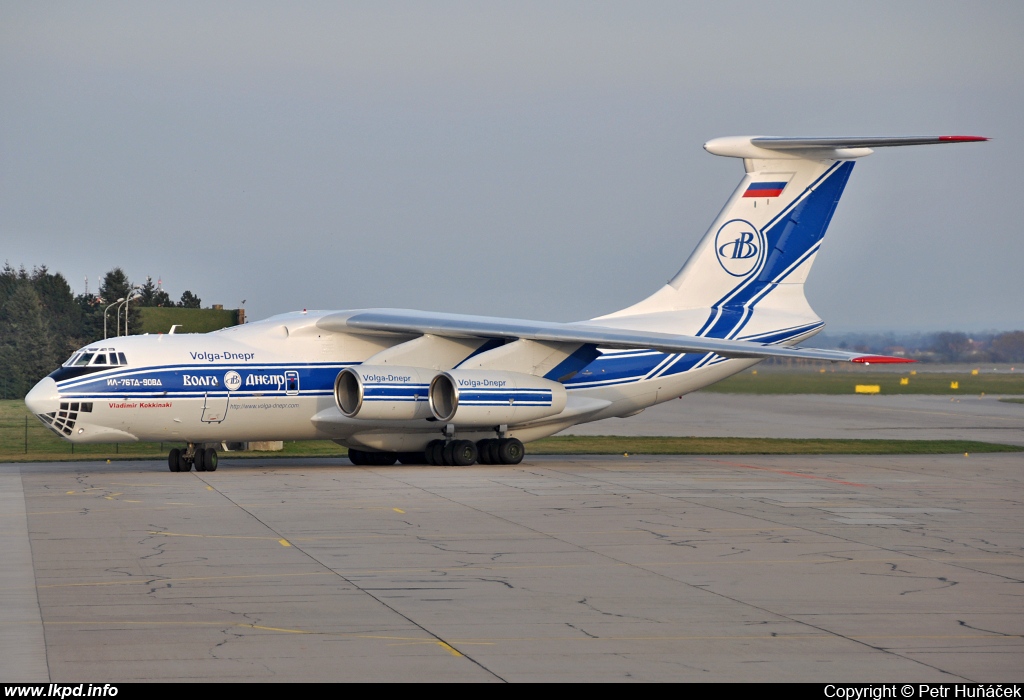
(485, 398)
(383, 392)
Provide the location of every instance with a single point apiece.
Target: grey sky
(523, 159)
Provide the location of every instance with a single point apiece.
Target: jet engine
(486, 398)
(383, 392)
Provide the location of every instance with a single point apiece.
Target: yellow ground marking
(285, 543)
(448, 648)
(209, 488)
(133, 501)
(398, 510)
(69, 493)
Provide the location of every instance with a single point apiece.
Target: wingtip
(963, 139)
(881, 360)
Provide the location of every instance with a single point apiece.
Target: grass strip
(844, 381)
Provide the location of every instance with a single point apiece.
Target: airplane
(418, 387)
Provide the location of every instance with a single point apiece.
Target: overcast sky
(530, 159)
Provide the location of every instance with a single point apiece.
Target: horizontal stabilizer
(785, 143)
(818, 148)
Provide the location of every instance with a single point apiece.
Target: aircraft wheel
(464, 453)
(356, 457)
(483, 455)
(437, 453)
(172, 459)
(184, 465)
(493, 451)
(384, 459)
(447, 453)
(210, 459)
(200, 459)
(428, 453)
(511, 451)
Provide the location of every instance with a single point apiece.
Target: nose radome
(44, 397)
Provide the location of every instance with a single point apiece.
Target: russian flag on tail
(765, 189)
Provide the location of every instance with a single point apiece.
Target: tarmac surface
(574, 569)
(907, 417)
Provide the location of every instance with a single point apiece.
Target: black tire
(464, 453)
(356, 457)
(200, 460)
(494, 451)
(412, 458)
(428, 453)
(483, 455)
(437, 453)
(511, 451)
(172, 459)
(384, 459)
(447, 456)
(210, 459)
(184, 465)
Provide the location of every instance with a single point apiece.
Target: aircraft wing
(405, 321)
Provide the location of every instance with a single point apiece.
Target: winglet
(880, 360)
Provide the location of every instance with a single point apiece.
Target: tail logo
(739, 247)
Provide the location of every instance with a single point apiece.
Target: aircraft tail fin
(761, 246)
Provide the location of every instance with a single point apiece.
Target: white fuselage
(275, 380)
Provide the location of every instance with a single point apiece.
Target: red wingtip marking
(881, 359)
(963, 138)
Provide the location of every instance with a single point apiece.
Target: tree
(952, 347)
(26, 345)
(116, 285)
(63, 316)
(1008, 347)
(190, 301)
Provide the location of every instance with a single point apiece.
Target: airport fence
(25, 438)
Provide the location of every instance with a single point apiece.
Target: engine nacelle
(383, 392)
(486, 398)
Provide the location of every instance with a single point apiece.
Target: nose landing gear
(204, 459)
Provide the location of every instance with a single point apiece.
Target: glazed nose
(44, 397)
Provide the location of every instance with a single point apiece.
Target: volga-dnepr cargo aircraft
(447, 389)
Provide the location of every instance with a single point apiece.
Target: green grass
(159, 319)
(844, 381)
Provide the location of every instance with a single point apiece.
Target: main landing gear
(451, 453)
(204, 459)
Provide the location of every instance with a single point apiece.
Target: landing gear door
(215, 408)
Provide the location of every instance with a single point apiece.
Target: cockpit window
(121, 357)
(83, 359)
(100, 359)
